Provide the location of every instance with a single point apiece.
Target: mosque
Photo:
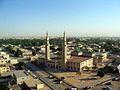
(72, 63)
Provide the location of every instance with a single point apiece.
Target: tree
(62, 78)
(13, 51)
(3, 87)
(18, 53)
(103, 70)
(33, 52)
(100, 74)
(20, 64)
(108, 69)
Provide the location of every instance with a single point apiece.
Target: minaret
(64, 48)
(47, 47)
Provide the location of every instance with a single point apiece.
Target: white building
(118, 67)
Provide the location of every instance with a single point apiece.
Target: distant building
(13, 61)
(42, 48)
(2, 53)
(4, 61)
(26, 53)
(88, 54)
(4, 68)
(100, 57)
(76, 53)
(59, 54)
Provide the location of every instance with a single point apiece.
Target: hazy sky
(76, 17)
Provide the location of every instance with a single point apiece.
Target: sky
(75, 17)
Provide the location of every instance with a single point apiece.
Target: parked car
(107, 88)
(51, 77)
(73, 88)
(115, 79)
(28, 71)
(109, 83)
(58, 81)
(85, 88)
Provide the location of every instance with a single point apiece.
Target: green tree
(33, 52)
(100, 74)
(103, 70)
(62, 78)
(108, 69)
(20, 65)
(18, 53)
(3, 87)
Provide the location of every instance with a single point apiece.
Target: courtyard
(81, 80)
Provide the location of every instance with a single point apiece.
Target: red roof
(56, 59)
(78, 59)
(73, 59)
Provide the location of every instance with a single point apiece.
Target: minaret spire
(64, 48)
(47, 47)
(64, 38)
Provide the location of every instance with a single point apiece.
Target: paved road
(102, 81)
(38, 72)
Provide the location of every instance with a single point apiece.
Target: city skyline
(76, 17)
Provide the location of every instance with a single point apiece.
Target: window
(74, 68)
(59, 66)
(48, 65)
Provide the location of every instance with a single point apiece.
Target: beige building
(4, 57)
(74, 63)
(4, 68)
(78, 63)
(3, 61)
(100, 57)
(33, 84)
(76, 53)
(59, 54)
(88, 54)
(20, 76)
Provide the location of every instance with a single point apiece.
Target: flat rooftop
(56, 59)
(73, 59)
(20, 74)
(31, 83)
